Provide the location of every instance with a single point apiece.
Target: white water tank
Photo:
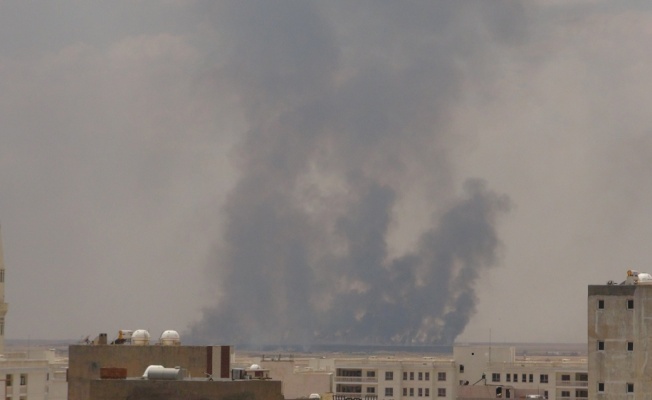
(149, 368)
(159, 372)
(140, 337)
(170, 338)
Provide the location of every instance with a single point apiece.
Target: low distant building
(33, 375)
(299, 378)
(472, 373)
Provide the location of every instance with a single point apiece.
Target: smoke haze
(321, 172)
(302, 261)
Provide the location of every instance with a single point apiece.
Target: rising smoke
(344, 225)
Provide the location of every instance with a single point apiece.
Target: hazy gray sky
(305, 170)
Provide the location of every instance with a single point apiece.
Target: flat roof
(615, 290)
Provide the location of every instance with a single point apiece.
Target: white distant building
(30, 374)
(474, 372)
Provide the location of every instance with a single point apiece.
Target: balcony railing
(573, 383)
(362, 379)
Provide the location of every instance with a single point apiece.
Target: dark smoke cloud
(343, 133)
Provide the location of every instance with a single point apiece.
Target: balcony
(356, 379)
(572, 383)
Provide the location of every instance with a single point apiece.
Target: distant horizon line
(460, 343)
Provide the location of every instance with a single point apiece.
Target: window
(349, 372)
(389, 375)
(543, 378)
(441, 376)
(600, 387)
(427, 392)
(420, 392)
(461, 369)
(411, 392)
(441, 392)
(581, 393)
(565, 378)
(427, 376)
(600, 304)
(630, 304)
(495, 377)
(582, 377)
(405, 376)
(2, 275)
(630, 388)
(420, 376)
(545, 394)
(411, 376)
(371, 389)
(371, 374)
(508, 378)
(515, 377)
(531, 378)
(404, 392)
(389, 392)
(8, 380)
(524, 376)
(565, 393)
(630, 346)
(349, 388)
(23, 379)
(600, 345)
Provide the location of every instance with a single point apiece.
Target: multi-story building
(620, 339)
(498, 367)
(390, 378)
(473, 372)
(33, 374)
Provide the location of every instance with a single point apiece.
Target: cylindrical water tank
(170, 374)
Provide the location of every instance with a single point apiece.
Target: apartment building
(391, 378)
(473, 372)
(619, 339)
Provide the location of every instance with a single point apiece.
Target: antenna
(489, 345)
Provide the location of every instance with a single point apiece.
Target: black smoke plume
(348, 150)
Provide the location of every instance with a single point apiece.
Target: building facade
(87, 361)
(473, 372)
(620, 340)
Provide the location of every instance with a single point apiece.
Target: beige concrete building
(300, 377)
(508, 376)
(472, 372)
(86, 362)
(620, 339)
(187, 389)
(33, 375)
